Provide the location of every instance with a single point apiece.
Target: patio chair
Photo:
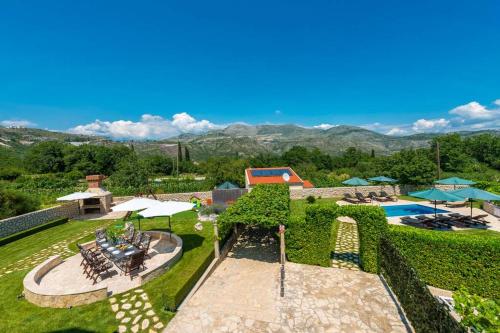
(362, 198)
(98, 268)
(389, 197)
(131, 263)
(100, 235)
(145, 243)
(351, 199)
(415, 222)
(129, 233)
(137, 239)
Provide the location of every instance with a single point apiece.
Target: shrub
(10, 174)
(477, 312)
(308, 239)
(372, 225)
(424, 311)
(13, 203)
(310, 199)
(449, 260)
(213, 209)
(265, 205)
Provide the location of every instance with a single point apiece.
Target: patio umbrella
(134, 205)
(471, 193)
(382, 179)
(454, 181)
(167, 208)
(355, 181)
(435, 194)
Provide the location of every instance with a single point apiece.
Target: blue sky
(153, 69)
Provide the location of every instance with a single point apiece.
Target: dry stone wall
(27, 221)
(338, 192)
(173, 196)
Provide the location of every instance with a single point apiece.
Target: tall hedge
(425, 312)
(372, 225)
(267, 205)
(308, 238)
(449, 260)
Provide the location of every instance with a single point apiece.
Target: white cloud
(474, 110)
(424, 125)
(324, 126)
(149, 127)
(497, 102)
(17, 123)
(277, 112)
(396, 131)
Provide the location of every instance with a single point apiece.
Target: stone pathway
(346, 253)
(135, 313)
(243, 295)
(60, 248)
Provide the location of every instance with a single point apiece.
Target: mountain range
(242, 140)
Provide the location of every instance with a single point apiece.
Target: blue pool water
(413, 209)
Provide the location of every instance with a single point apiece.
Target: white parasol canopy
(135, 204)
(167, 208)
(77, 196)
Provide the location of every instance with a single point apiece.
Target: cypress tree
(179, 151)
(186, 154)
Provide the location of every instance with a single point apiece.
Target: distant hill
(246, 140)
(241, 140)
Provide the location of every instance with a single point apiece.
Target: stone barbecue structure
(101, 202)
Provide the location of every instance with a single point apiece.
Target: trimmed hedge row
(424, 311)
(265, 205)
(308, 239)
(32, 231)
(372, 225)
(449, 260)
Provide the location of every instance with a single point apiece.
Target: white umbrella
(167, 208)
(76, 196)
(135, 204)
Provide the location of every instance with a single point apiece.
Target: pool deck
(494, 222)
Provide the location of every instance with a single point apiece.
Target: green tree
(13, 203)
(186, 154)
(411, 167)
(131, 174)
(452, 152)
(179, 151)
(158, 164)
(221, 169)
(485, 148)
(46, 157)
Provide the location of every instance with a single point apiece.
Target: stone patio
(346, 254)
(242, 295)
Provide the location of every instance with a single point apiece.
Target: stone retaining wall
(27, 221)
(338, 192)
(491, 209)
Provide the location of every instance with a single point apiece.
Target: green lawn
(18, 315)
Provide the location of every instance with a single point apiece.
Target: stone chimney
(95, 181)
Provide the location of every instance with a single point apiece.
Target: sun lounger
(389, 197)
(415, 222)
(456, 204)
(349, 198)
(375, 196)
(362, 198)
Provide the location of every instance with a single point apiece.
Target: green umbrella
(471, 193)
(382, 179)
(227, 186)
(455, 181)
(355, 181)
(435, 194)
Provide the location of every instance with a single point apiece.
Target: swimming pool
(413, 209)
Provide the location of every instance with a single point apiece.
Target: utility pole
(438, 160)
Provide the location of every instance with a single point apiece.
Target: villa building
(279, 175)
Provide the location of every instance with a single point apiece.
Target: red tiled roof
(308, 184)
(254, 180)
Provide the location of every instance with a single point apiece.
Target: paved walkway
(346, 254)
(242, 295)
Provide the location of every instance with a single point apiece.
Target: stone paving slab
(242, 295)
(346, 254)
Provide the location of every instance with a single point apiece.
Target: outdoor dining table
(116, 252)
